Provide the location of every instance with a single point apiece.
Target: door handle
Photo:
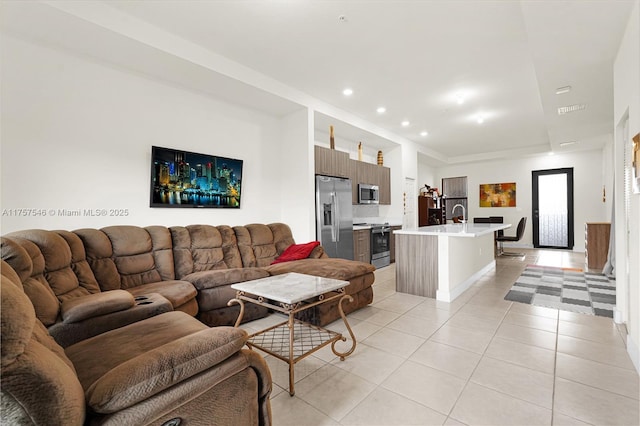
(333, 218)
(337, 221)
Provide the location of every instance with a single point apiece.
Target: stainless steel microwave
(368, 194)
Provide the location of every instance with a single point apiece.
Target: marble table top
(290, 288)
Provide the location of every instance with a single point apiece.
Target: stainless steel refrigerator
(334, 216)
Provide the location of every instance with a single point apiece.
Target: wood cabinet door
(330, 162)
(353, 176)
(384, 182)
(362, 245)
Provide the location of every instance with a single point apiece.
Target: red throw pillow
(296, 252)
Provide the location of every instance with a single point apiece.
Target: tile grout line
(479, 361)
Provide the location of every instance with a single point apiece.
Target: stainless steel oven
(380, 245)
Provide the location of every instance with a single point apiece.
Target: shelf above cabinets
(337, 163)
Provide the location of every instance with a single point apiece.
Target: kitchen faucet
(463, 212)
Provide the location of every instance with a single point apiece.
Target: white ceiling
(506, 57)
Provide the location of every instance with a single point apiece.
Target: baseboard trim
(617, 316)
(450, 296)
(634, 353)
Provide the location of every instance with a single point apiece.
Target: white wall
(588, 180)
(297, 201)
(426, 175)
(77, 134)
(627, 105)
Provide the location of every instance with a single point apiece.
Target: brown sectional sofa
(150, 372)
(121, 274)
(120, 300)
(213, 258)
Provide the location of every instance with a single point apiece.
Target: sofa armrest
(152, 372)
(95, 305)
(318, 253)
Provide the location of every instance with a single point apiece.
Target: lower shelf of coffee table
(307, 339)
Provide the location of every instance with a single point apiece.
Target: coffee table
(293, 340)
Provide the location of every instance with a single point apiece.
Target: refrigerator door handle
(336, 223)
(334, 216)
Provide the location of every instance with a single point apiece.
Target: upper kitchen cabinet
(385, 184)
(373, 174)
(330, 162)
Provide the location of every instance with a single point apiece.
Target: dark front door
(552, 208)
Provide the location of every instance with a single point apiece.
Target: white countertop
(469, 230)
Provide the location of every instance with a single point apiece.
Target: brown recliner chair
(170, 367)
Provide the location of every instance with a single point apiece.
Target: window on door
(553, 208)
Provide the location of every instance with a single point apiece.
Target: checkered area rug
(565, 289)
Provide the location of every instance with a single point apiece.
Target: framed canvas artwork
(498, 194)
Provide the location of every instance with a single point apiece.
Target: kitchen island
(445, 260)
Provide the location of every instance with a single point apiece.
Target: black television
(188, 179)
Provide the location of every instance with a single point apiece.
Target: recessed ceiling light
(460, 98)
(550, 152)
(381, 110)
(563, 144)
(405, 123)
(562, 90)
(424, 133)
(480, 119)
(347, 92)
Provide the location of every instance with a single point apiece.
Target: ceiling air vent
(571, 108)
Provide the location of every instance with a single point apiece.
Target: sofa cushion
(162, 367)
(10, 274)
(203, 248)
(79, 263)
(339, 269)
(18, 318)
(27, 261)
(214, 287)
(65, 270)
(100, 257)
(140, 255)
(135, 364)
(176, 292)
(296, 252)
(260, 244)
(211, 279)
(95, 305)
(39, 384)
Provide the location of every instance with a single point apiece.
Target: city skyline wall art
(189, 179)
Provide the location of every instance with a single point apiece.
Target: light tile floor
(479, 360)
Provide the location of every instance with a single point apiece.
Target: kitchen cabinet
(384, 177)
(353, 176)
(392, 243)
(372, 174)
(362, 245)
(596, 237)
(330, 162)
